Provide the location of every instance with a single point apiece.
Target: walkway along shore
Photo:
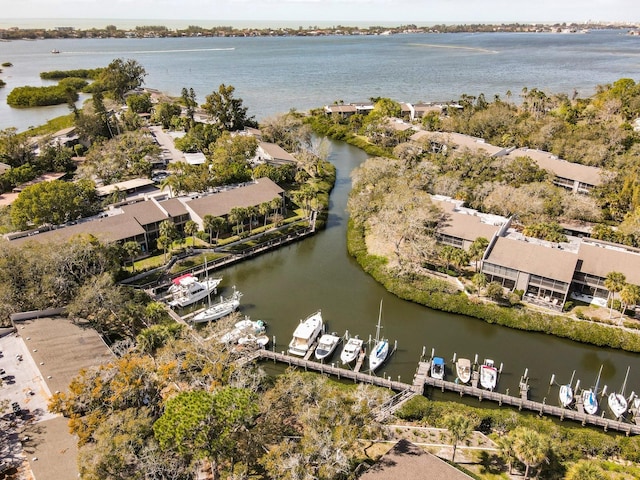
(421, 379)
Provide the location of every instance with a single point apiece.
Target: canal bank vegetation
(442, 295)
(394, 222)
(563, 447)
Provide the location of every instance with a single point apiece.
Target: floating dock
(422, 379)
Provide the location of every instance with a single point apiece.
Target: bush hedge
(439, 295)
(91, 73)
(27, 96)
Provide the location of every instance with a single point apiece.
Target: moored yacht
(221, 309)
(305, 334)
(187, 289)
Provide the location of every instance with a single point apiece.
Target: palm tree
(629, 295)
(460, 428)
(213, 224)
(477, 249)
(480, 281)
(263, 209)
(505, 444)
(530, 447)
(164, 243)
(237, 216)
(191, 228)
(614, 282)
(131, 249)
(276, 204)
(585, 470)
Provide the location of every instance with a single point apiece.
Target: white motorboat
(187, 289)
(381, 349)
(565, 395)
(617, 403)
(351, 350)
(326, 345)
(254, 340)
(488, 374)
(242, 329)
(437, 368)
(590, 397)
(463, 370)
(221, 309)
(305, 334)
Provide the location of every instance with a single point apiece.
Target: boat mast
(624, 384)
(378, 327)
(595, 390)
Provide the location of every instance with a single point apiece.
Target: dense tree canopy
(227, 112)
(54, 202)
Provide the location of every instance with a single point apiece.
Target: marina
(422, 380)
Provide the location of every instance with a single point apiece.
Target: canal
(284, 286)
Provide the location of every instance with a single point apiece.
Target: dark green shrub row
(40, 96)
(571, 442)
(416, 290)
(79, 73)
(325, 126)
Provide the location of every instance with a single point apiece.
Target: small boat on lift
(488, 374)
(565, 395)
(617, 403)
(463, 370)
(437, 368)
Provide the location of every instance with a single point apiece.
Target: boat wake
(454, 47)
(153, 51)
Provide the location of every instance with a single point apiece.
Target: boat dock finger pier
(422, 379)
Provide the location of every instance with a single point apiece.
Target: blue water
(274, 75)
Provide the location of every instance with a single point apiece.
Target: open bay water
(273, 75)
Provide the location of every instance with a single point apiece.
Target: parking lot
(39, 359)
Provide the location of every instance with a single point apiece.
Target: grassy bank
(439, 295)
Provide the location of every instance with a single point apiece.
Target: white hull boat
(381, 349)
(187, 289)
(242, 329)
(590, 397)
(565, 395)
(617, 403)
(463, 370)
(218, 310)
(326, 345)
(305, 334)
(351, 350)
(437, 368)
(589, 402)
(488, 375)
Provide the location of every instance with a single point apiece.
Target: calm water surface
(274, 75)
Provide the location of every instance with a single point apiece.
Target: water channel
(287, 285)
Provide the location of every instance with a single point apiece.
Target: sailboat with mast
(616, 400)
(590, 398)
(381, 349)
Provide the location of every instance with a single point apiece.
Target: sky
(315, 12)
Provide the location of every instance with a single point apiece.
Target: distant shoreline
(26, 29)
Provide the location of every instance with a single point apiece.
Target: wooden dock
(422, 379)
